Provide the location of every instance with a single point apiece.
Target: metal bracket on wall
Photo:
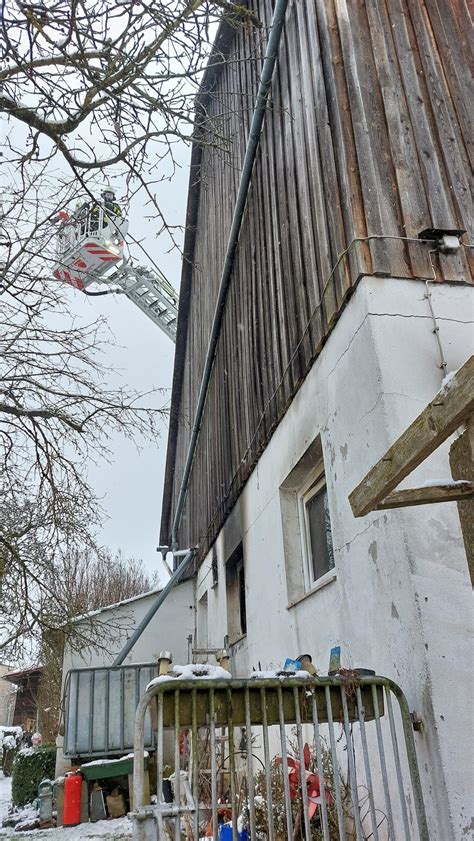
(445, 240)
(417, 722)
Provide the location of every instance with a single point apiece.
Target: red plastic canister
(72, 799)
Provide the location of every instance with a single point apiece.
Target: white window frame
(313, 485)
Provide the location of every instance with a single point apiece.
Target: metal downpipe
(245, 178)
(154, 607)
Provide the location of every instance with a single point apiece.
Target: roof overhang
(20, 677)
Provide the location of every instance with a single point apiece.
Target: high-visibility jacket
(112, 208)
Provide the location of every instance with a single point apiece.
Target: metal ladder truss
(147, 291)
(275, 758)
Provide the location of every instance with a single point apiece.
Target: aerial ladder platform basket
(90, 250)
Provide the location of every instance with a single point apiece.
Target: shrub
(29, 768)
(10, 740)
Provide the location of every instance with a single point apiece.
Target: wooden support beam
(426, 496)
(461, 459)
(453, 404)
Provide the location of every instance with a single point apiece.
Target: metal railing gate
(275, 758)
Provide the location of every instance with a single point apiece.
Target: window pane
(319, 527)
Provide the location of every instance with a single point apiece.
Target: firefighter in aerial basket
(112, 210)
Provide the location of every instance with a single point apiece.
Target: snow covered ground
(118, 830)
(5, 796)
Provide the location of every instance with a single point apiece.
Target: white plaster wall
(168, 630)
(401, 602)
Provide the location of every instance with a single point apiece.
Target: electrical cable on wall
(344, 254)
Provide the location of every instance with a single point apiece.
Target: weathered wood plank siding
(367, 135)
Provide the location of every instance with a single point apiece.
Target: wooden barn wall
(367, 135)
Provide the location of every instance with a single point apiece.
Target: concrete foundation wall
(400, 599)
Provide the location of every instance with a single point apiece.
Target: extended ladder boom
(148, 291)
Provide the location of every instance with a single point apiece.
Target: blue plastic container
(225, 833)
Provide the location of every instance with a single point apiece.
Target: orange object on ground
(72, 799)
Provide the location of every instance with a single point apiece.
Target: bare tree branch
(91, 90)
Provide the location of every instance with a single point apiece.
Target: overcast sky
(131, 486)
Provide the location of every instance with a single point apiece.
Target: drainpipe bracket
(417, 722)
